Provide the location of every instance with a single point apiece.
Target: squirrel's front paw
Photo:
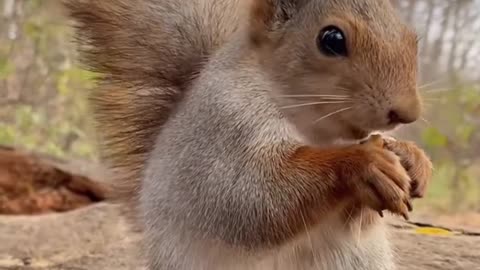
(416, 162)
(379, 180)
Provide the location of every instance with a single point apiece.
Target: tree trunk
(438, 45)
(426, 44)
(412, 5)
(428, 26)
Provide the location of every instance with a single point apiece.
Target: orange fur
(365, 174)
(417, 164)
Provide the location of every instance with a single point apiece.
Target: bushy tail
(146, 53)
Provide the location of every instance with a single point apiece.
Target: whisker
(359, 233)
(427, 104)
(340, 88)
(432, 98)
(431, 102)
(332, 113)
(334, 88)
(441, 90)
(310, 241)
(429, 84)
(327, 96)
(347, 223)
(425, 120)
(312, 104)
(313, 98)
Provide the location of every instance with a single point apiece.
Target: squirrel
(241, 129)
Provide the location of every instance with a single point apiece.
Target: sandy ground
(90, 238)
(96, 237)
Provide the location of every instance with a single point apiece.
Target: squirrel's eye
(332, 42)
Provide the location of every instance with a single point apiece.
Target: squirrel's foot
(416, 162)
(379, 180)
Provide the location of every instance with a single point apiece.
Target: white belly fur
(317, 250)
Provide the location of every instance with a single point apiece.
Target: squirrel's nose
(402, 116)
(399, 117)
(404, 112)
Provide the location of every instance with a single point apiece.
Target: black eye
(332, 42)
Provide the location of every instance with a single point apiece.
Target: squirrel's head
(344, 68)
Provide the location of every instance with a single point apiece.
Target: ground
(93, 235)
(96, 237)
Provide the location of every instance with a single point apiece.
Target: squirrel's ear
(266, 16)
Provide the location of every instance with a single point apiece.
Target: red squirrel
(222, 119)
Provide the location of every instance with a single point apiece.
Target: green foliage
(34, 129)
(74, 76)
(464, 133)
(453, 142)
(6, 67)
(439, 194)
(452, 116)
(33, 4)
(434, 138)
(7, 134)
(52, 113)
(34, 30)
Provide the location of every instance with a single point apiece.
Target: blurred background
(43, 94)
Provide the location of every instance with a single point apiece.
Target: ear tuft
(262, 13)
(267, 16)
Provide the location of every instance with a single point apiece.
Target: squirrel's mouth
(359, 133)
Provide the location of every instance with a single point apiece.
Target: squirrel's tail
(146, 53)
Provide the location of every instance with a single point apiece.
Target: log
(32, 183)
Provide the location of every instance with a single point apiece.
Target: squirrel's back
(146, 53)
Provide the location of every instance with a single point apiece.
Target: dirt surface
(91, 238)
(96, 237)
(34, 184)
(418, 250)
